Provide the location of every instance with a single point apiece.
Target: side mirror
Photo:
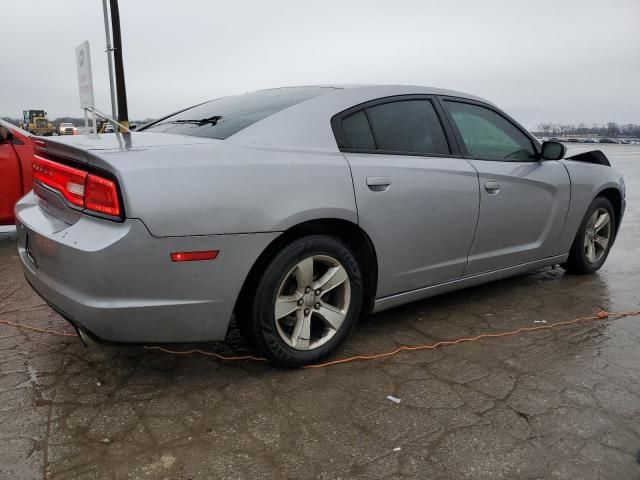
(553, 151)
(5, 134)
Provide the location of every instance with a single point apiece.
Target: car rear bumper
(117, 281)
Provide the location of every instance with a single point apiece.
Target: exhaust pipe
(85, 337)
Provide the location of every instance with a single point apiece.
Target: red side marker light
(194, 256)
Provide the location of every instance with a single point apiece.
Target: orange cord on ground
(600, 315)
(36, 329)
(406, 348)
(207, 354)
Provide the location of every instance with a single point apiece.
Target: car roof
(11, 126)
(385, 89)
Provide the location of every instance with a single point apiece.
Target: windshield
(226, 116)
(35, 113)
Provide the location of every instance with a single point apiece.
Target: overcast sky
(552, 60)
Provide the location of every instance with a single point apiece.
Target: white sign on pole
(85, 81)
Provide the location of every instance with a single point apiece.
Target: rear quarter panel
(216, 188)
(587, 181)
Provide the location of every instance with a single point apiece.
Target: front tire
(307, 301)
(593, 240)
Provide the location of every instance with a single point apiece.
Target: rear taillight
(101, 195)
(68, 181)
(79, 187)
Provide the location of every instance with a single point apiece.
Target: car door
(417, 198)
(523, 200)
(11, 184)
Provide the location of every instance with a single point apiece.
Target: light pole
(107, 34)
(123, 113)
(116, 66)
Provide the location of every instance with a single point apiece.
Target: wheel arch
(614, 195)
(348, 232)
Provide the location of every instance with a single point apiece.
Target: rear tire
(306, 302)
(594, 239)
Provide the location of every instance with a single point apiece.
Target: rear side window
(226, 116)
(404, 126)
(357, 131)
(408, 126)
(488, 135)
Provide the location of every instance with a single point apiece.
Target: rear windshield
(223, 117)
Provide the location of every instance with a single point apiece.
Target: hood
(591, 156)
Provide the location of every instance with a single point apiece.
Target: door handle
(378, 184)
(492, 187)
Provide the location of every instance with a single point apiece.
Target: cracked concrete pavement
(561, 404)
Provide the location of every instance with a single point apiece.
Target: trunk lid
(76, 147)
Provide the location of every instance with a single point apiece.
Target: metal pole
(109, 50)
(123, 114)
(98, 113)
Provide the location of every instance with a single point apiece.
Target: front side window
(488, 135)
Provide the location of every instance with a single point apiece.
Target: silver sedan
(297, 209)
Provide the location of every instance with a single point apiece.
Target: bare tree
(613, 129)
(545, 128)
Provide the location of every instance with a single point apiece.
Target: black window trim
(461, 145)
(338, 132)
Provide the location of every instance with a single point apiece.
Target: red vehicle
(16, 154)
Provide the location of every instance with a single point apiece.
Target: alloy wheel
(312, 302)
(597, 235)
